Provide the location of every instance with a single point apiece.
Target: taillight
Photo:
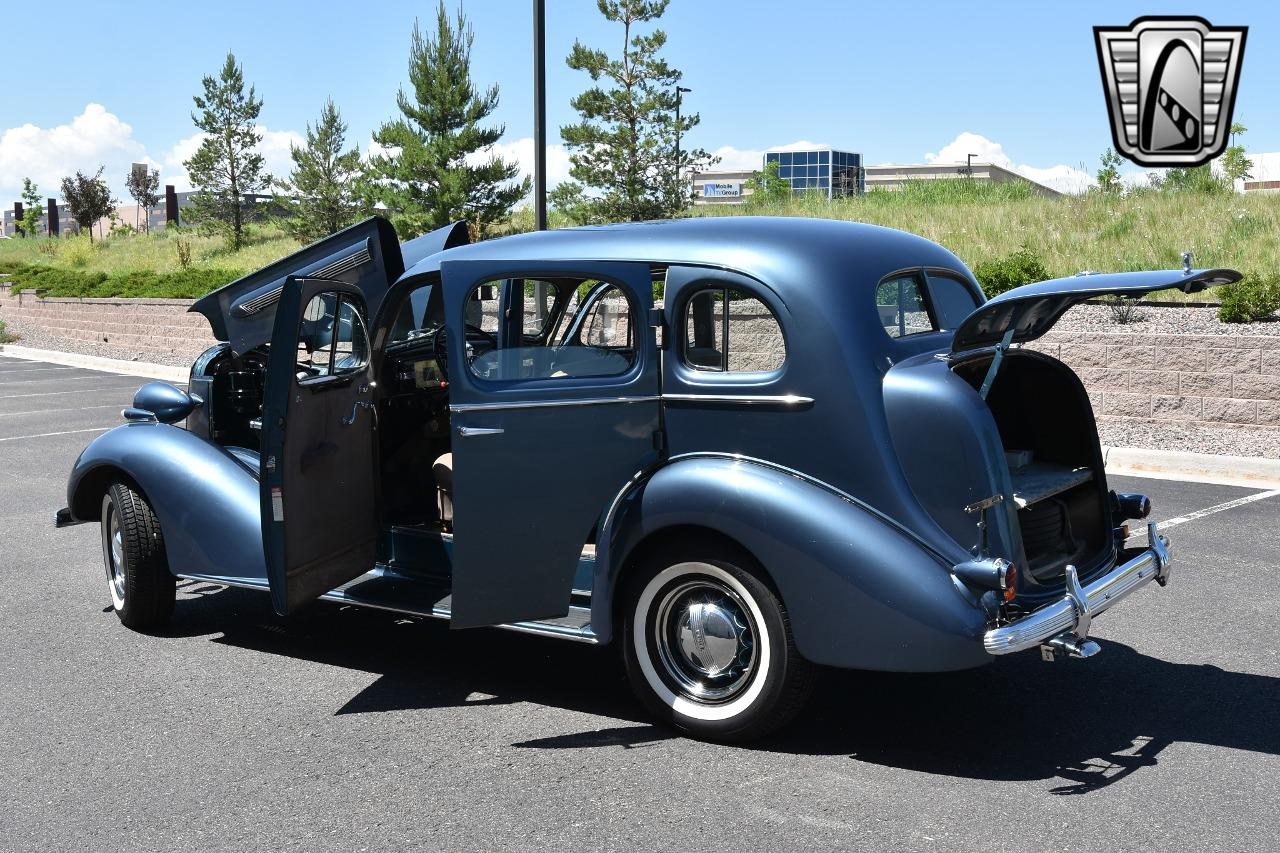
(1009, 581)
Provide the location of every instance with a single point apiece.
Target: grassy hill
(979, 222)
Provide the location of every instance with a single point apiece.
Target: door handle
(466, 431)
(355, 410)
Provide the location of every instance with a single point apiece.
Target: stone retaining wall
(1232, 379)
(146, 326)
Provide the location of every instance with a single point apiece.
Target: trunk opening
(1050, 439)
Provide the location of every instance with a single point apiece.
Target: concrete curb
(95, 362)
(1193, 467)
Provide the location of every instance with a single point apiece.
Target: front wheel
(138, 579)
(708, 647)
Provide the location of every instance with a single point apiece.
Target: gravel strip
(31, 335)
(1161, 321)
(1259, 441)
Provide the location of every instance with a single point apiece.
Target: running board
(416, 599)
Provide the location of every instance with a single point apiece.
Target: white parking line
(1201, 513)
(47, 434)
(35, 369)
(59, 411)
(75, 391)
(48, 380)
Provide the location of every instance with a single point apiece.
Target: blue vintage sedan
(739, 449)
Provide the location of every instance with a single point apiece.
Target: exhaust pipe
(1068, 645)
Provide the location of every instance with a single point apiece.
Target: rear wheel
(708, 646)
(141, 587)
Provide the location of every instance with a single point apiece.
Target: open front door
(553, 382)
(318, 480)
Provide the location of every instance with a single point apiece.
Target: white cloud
(1063, 178)
(520, 151)
(47, 155)
(743, 159)
(274, 149)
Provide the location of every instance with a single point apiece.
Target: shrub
(1014, 270)
(184, 284)
(1250, 299)
(1123, 310)
(5, 336)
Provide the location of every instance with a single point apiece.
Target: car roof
(782, 251)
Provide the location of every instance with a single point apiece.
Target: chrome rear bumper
(1070, 617)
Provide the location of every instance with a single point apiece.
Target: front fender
(861, 593)
(206, 500)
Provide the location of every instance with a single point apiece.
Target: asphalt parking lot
(347, 729)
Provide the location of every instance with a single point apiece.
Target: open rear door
(319, 468)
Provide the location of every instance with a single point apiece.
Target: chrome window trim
(742, 399)
(460, 408)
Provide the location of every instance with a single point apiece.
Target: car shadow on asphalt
(1088, 724)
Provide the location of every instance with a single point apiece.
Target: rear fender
(206, 500)
(861, 592)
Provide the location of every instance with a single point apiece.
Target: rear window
(953, 300)
(912, 303)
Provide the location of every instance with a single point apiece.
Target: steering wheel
(441, 353)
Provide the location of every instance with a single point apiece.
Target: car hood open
(366, 254)
(1032, 310)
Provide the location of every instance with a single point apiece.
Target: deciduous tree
(88, 199)
(435, 167)
(144, 186)
(30, 223)
(227, 165)
(1109, 173)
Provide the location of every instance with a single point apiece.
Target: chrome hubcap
(115, 555)
(705, 640)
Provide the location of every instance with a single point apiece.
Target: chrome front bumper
(1070, 617)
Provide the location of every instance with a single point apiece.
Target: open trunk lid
(367, 255)
(1031, 310)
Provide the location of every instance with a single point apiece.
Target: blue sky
(896, 81)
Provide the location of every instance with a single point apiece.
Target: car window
(412, 320)
(332, 340)
(900, 301)
(569, 328)
(952, 299)
(727, 330)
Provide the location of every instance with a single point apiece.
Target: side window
(606, 321)
(726, 330)
(332, 340)
(900, 301)
(952, 299)
(561, 337)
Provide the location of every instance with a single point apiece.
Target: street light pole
(680, 90)
(539, 116)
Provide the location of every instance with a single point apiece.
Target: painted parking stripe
(62, 411)
(47, 434)
(1201, 513)
(35, 369)
(75, 391)
(58, 379)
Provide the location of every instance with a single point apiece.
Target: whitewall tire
(708, 646)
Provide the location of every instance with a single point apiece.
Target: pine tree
(227, 164)
(427, 176)
(322, 183)
(623, 149)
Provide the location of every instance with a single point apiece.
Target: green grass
(139, 265)
(980, 222)
(1144, 230)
